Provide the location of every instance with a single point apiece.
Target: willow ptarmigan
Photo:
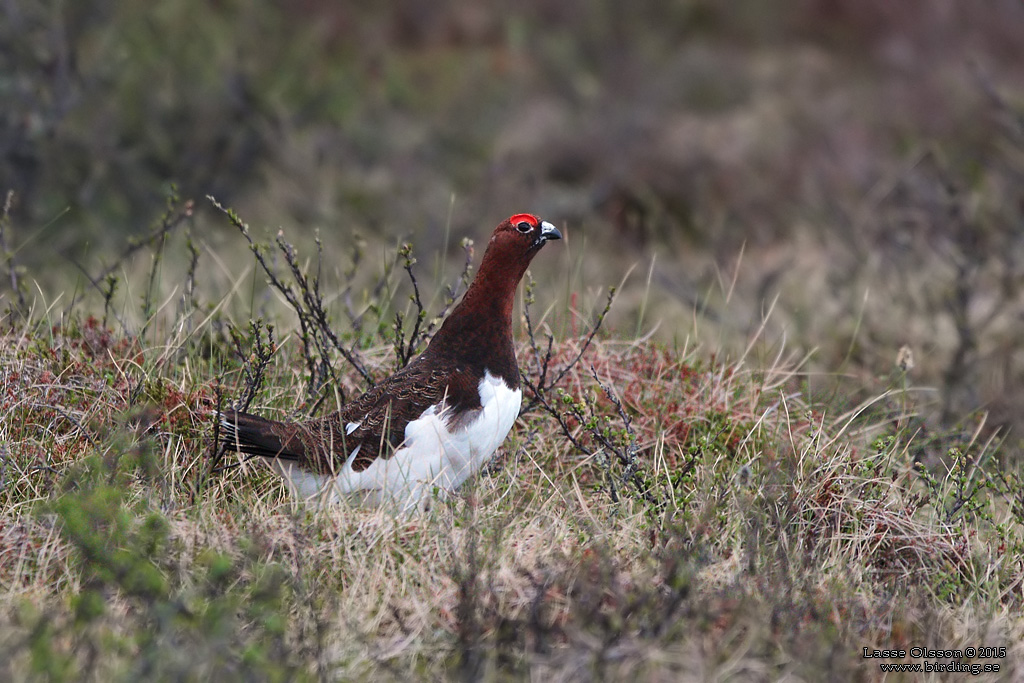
(433, 424)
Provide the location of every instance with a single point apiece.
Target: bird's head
(487, 305)
(523, 234)
(512, 247)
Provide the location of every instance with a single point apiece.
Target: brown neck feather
(479, 329)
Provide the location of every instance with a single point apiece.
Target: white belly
(433, 457)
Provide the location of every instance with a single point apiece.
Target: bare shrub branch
(619, 444)
(106, 282)
(17, 288)
(420, 334)
(542, 385)
(254, 364)
(406, 349)
(305, 298)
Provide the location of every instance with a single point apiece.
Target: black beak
(548, 232)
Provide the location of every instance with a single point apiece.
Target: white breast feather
(431, 457)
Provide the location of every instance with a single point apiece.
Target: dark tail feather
(259, 436)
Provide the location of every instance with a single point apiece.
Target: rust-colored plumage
(474, 342)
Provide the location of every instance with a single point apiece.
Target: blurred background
(851, 171)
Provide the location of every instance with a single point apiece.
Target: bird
(432, 425)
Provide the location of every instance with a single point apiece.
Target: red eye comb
(524, 218)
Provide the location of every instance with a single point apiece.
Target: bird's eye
(523, 227)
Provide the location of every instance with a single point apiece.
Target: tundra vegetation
(773, 379)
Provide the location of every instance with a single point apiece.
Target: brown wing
(378, 419)
(381, 415)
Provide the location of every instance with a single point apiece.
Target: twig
(8, 254)
(989, 88)
(188, 297)
(627, 456)
(404, 350)
(217, 449)
(544, 387)
(171, 219)
(5, 459)
(106, 282)
(318, 338)
(255, 364)
(453, 291)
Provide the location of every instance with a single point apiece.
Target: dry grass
(736, 480)
(685, 517)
